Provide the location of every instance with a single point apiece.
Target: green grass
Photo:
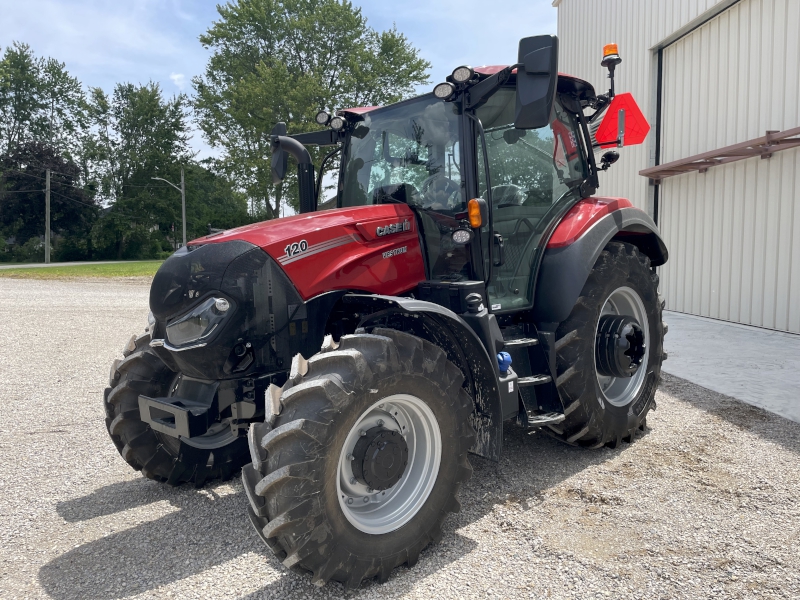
(144, 268)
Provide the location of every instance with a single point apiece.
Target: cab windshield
(407, 153)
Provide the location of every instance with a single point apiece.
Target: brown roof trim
(765, 147)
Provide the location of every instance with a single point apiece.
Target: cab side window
(529, 171)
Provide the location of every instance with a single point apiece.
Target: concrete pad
(754, 365)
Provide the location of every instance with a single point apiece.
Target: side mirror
(536, 81)
(279, 156)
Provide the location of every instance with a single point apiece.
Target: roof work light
(338, 123)
(322, 117)
(463, 74)
(444, 90)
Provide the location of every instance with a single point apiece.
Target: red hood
(340, 248)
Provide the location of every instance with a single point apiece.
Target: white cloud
(103, 43)
(179, 79)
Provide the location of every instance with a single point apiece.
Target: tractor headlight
(199, 323)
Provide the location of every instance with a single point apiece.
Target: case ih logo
(394, 228)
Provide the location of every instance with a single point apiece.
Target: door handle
(499, 254)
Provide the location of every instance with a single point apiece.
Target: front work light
(337, 123)
(322, 118)
(462, 236)
(444, 90)
(463, 74)
(199, 323)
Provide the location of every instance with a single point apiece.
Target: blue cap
(503, 361)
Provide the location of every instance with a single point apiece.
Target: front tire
(600, 409)
(158, 456)
(317, 512)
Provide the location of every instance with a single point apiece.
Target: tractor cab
(424, 154)
(506, 140)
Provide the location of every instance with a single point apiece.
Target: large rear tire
(158, 456)
(317, 511)
(602, 410)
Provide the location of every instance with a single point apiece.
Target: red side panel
(369, 248)
(581, 217)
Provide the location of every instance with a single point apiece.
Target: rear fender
(464, 348)
(574, 247)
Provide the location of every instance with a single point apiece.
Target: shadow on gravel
(766, 425)
(110, 499)
(209, 529)
(531, 464)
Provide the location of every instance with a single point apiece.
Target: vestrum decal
(393, 228)
(395, 252)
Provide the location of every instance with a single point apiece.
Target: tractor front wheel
(216, 455)
(609, 351)
(361, 466)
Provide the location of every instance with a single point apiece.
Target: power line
(74, 200)
(27, 174)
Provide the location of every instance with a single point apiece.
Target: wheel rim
(378, 512)
(620, 391)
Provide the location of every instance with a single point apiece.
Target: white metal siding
(730, 230)
(734, 232)
(584, 27)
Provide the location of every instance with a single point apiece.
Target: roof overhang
(765, 147)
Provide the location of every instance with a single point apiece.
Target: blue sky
(104, 42)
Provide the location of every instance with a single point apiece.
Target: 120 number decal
(296, 248)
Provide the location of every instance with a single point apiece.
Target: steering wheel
(437, 192)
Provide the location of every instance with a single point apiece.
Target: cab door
(533, 174)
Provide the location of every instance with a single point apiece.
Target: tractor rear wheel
(609, 351)
(361, 466)
(216, 455)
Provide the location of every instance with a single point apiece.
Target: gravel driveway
(705, 505)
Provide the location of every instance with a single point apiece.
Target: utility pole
(47, 219)
(182, 190)
(183, 207)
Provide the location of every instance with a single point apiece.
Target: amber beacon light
(611, 55)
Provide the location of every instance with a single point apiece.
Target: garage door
(734, 231)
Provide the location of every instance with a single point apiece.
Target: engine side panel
(369, 248)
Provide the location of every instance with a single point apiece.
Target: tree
(22, 202)
(136, 132)
(39, 101)
(284, 60)
(212, 200)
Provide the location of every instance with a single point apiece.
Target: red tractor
(464, 275)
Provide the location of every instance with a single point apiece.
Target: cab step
(534, 380)
(542, 419)
(521, 342)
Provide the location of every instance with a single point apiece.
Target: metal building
(719, 82)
